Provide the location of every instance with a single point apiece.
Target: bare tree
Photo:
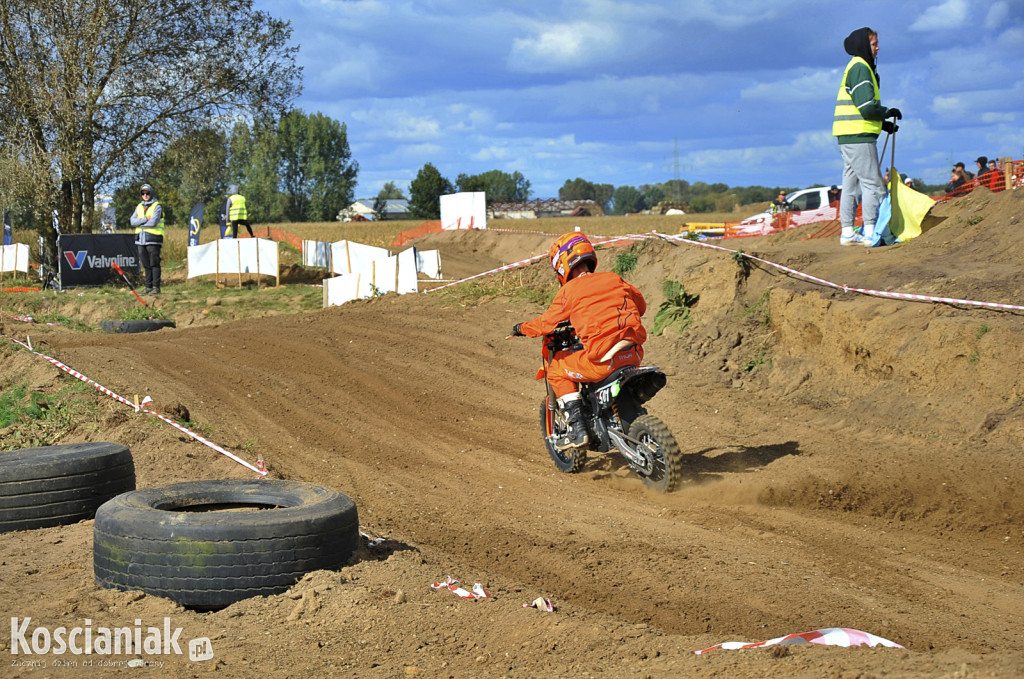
(98, 88)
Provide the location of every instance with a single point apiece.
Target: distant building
(538, 209)
(394, 208)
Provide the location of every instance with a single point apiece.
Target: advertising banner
(195, 223)
(85, 258)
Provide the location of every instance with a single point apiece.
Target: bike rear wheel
(552, 425)
(664, 469)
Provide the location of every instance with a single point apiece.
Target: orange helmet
(569, 250)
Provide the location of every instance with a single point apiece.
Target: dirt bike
(615, 418)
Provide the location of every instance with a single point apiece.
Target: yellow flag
(909, 208)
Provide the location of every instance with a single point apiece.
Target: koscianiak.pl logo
(105, 641)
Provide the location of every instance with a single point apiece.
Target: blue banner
(195, 224)
(8, 235)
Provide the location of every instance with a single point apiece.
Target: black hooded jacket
(858, 44)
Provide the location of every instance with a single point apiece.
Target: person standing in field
(237, 213)
(858, 119)
(148, 220)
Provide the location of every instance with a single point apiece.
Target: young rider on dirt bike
(605, 311)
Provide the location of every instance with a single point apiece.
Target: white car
(803, 200)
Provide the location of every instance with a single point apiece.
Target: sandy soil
(853, 461)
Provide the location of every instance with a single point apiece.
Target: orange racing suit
(604, 310)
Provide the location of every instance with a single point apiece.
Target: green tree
(581, 189)
(498, 185)
(425, 193)
(388, 192)
(627, 199)
(652, 195)
(318, 175)
(97, 89)
(253, 166)
(190, 170)
(391, 192)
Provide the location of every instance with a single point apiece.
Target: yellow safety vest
(848, 119)
(147, 212)
(237, 210)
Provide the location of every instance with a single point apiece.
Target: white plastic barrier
(428, 263)
(466, 210)
(350, 257)
(234, 256)
(316, 253)
(14, 257)
(378, 277)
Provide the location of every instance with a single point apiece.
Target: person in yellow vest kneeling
(238, 214)
(148, 220)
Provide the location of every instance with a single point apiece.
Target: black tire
(182, 541)
(58, 485)
(136, 325)
(665, 470)
(552, 423)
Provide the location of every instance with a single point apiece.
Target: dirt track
(854, 462)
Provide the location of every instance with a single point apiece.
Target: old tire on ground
(136, 325)
(57, 485)
(190, 543)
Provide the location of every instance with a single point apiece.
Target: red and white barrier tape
(524, 262)
(843, 637)
(821, 281)
(847, 288)
(453, 586)
(116, 397)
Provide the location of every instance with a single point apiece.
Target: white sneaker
(852, 240)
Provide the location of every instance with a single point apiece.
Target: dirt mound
(853, 461)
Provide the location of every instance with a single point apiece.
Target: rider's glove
(889, 126)
(894, 113)
(516, 331)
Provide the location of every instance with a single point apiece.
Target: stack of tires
(203, 544)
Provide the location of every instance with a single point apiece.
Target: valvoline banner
(85, 258)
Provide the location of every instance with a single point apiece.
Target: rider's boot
(577, 433)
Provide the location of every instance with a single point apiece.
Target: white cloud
(988, 118)
(386, 120)
(816, 86)
(950, 15)
(943, 105)
(997, 14)
(563, 46)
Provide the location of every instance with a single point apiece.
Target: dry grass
(382, 234)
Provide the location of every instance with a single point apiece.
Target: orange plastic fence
(1011, 173)
(421, 230)
(281, 236)
(783, 221)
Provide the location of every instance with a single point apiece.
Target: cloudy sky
(633, 93)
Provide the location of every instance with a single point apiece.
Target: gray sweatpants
(862, 181)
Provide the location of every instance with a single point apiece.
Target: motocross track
(852, 461)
